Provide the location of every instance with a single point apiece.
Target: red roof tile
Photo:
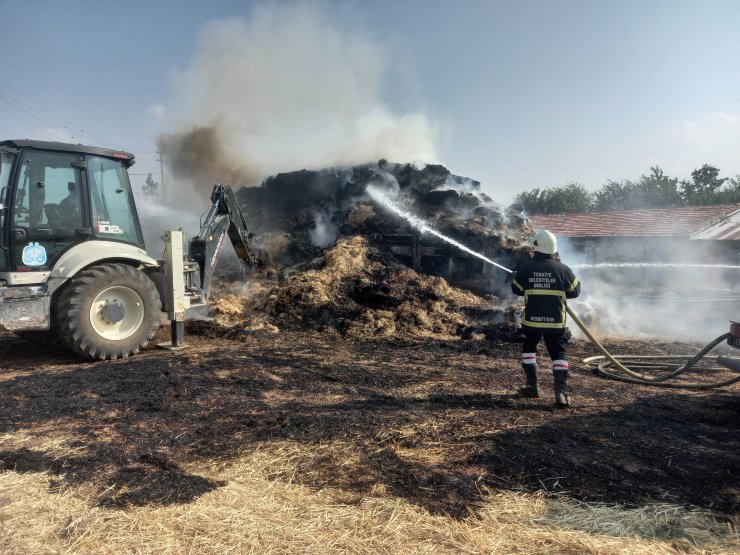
(681, 221)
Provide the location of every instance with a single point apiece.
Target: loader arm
(223, 217)
(187, 276)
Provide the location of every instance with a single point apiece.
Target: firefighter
(545, 283)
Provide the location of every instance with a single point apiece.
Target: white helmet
(545, 242)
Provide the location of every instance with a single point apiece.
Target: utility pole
(163, 194)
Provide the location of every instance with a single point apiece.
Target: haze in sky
(515, 94)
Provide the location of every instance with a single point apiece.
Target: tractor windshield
(113, 210)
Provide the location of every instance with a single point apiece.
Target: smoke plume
(287, 88)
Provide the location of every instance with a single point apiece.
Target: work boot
(560, 378)
(531, 389)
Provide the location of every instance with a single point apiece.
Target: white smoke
(156, 218)
(324, 232)
(290, 88)
(461, 185)
(686, 293)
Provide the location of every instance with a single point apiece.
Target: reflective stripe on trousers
(529, 358)
(559, 365)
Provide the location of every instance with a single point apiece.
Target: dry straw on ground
(256, 513)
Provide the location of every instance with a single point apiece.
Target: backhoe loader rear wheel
(108, 311)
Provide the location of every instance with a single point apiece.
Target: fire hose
(600, 363)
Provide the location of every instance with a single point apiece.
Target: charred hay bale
(297, 214)
(436, 199)
(358, 217)
(460, 203)
(419, 180)
(334, 199)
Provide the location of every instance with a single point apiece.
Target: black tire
(92, 335)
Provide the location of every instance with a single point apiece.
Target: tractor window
(7, 159)
(48, 197)
(114, 213)
(45, 209)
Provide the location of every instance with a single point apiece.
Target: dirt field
(428, 427)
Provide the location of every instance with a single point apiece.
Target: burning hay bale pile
(359, 291)
(341, 263)
(298, 214)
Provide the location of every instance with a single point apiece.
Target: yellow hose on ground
(600, 363)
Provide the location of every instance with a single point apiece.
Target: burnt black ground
(431, 421)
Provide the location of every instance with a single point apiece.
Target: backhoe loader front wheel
(108, 311)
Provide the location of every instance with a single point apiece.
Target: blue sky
(515, 94)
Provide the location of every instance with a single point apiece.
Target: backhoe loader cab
(73, 267)
(58, 196)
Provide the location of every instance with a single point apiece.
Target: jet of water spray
(389, 204)
(654, 265)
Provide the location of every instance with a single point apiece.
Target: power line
(24, 106)
(57, 116)
(54, 131)
(11, 103)
(61, 137)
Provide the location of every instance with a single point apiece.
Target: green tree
(657, 189)
(653, 190)
(532, 201)
(614, 195)
(730, 193)
(569, 198)
(704, 186)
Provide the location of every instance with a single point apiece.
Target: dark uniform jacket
(545, 284)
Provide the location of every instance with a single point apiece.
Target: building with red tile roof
(707, 234)
(721, 222)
